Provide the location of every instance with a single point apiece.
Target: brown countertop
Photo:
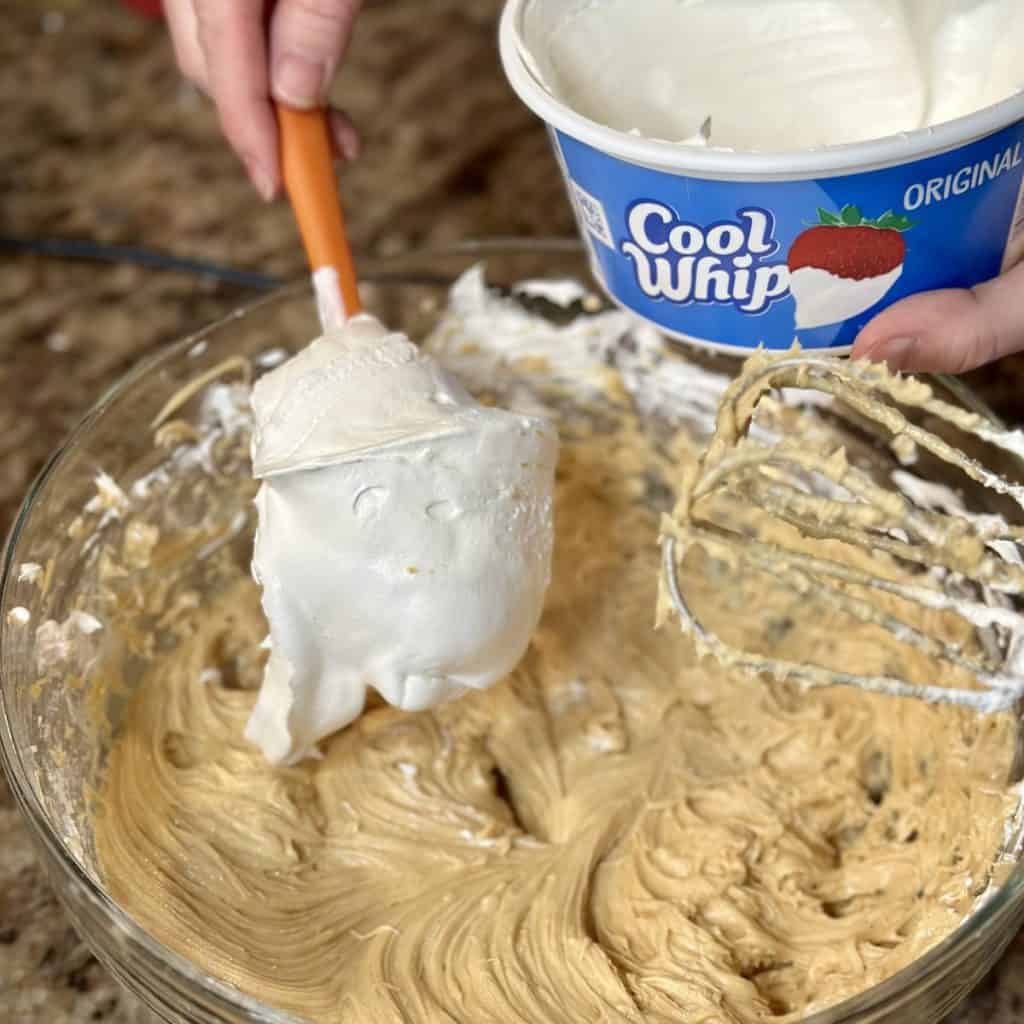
(102, 141)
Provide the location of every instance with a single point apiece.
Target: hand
(949, 331)
(243, 53)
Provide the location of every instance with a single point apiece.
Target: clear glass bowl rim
(986, 924)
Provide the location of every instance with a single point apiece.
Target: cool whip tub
(831, 157)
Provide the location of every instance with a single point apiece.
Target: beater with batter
(940, 558)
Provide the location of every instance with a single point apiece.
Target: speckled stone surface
(101, 140)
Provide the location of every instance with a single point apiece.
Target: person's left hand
(949, 331)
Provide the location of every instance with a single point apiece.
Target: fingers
(950, 331)
(307, 41)
(232, 36)
(181, 21)
(220, 45)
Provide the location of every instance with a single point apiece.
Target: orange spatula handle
(307, 167)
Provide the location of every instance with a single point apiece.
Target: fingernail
(895, 351)
(300, 82)
(262, 181)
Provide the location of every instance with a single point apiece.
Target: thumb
(950, 331)
(307, 41)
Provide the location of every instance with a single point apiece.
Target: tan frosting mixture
(614, 833)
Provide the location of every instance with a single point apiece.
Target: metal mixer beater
(936, 555)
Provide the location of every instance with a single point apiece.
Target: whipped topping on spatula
(405, 534)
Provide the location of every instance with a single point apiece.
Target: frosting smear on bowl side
(404, 539)
(783, 75)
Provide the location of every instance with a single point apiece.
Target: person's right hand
(949, 331)
(246, 53)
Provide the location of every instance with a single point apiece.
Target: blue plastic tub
(733, 251)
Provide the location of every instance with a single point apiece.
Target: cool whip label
(740, 264)
(726, 263)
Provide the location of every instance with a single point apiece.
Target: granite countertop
(102, 141)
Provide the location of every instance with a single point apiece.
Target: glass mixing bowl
(49, 743)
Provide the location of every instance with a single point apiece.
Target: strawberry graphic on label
(845, 264)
